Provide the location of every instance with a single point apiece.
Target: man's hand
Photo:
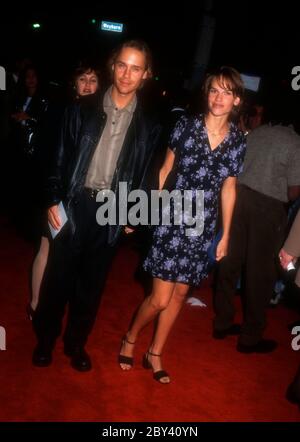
(54, 218)
(285, 258)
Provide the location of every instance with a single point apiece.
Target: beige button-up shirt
(103, 164)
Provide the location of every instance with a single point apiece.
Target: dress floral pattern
(174, 256)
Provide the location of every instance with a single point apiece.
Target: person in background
(289, 253)
(29, 108)
(269, 180)
(27, 118)
(86, 80)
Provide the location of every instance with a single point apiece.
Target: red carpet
(210, 380)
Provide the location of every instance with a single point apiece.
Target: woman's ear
(237, 101)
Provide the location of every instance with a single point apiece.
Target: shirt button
(113, 122)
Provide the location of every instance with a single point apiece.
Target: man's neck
(120, 100)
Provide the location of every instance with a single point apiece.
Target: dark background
(263, 42)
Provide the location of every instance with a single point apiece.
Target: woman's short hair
(228, 78)
(84, 68)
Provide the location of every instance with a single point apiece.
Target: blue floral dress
(175, 256)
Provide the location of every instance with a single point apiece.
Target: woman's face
(220, 99)
(86, 84)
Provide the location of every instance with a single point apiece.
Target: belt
(93, 192)
(267, 198)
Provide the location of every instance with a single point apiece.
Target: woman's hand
(128, 230)
(222, 248)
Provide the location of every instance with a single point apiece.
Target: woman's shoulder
(189, 120)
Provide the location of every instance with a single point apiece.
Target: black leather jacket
(83, 124)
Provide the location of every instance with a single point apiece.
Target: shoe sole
(42, 364)
(81, 369)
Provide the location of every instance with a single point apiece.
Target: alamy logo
(2, 79)
(179, 208)
(2, 338)
(296, 80)
(296, 340)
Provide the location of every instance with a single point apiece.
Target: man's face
(220, 99)
(129, 71)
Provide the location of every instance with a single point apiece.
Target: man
(291, 248)
(290, 252)
(270, 178)
(103, 142)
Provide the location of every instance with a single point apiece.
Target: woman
(85, 81)
(30, 107)
(209, 154)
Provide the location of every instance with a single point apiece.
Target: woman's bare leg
(38, 269)
(149, 309)
(166, 320)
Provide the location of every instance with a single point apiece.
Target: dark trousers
(257, 233)
(75, 275)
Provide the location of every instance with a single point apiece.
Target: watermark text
(296, 340)
(178, 207)
(2, 338)
(2, 79)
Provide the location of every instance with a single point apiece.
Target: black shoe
(262, 346)
(80, 360)
(293, 394)
(41, 357)
(293, 390)
(233, 330)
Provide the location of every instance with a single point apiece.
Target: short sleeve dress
(175, 256)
